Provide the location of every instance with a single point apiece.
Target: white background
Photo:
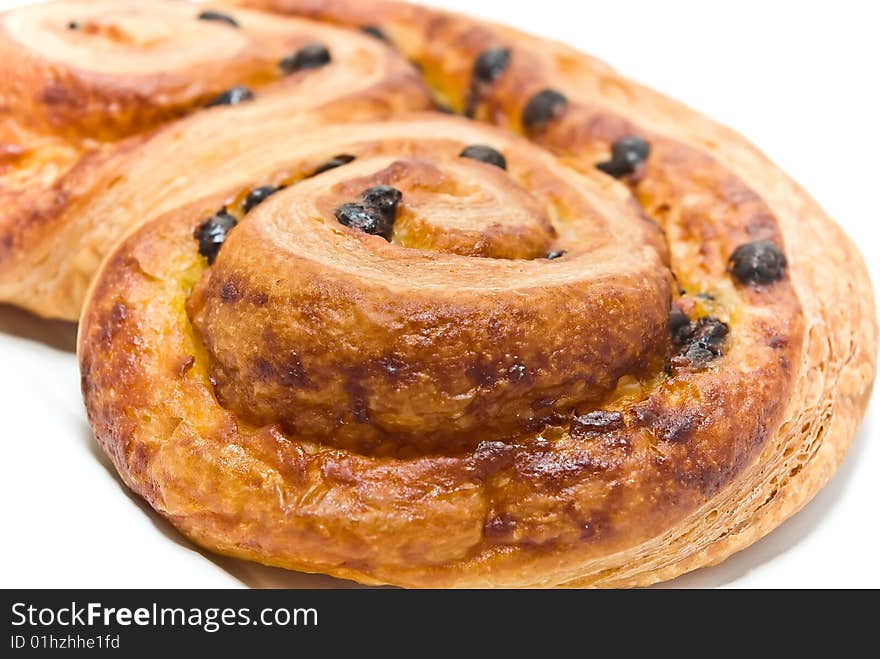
(798, 78)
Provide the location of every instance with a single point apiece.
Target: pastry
(100, 95)
(581, 336)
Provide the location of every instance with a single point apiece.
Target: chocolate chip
(73, 25)
(555, 254)
(491, 63)
(211, 15)
(383, 198)
(333, 163)
(627, 154)
(368, 220)
(233, 96)
(542, 108)
(712, 330)
(699, 340)
(488, 67)
(313, 56)
(258, 195)
(212, 232)
(374, 31)
(758, 262)
(707, 327)
(484, 154)
(376, 214)
(595, 422)
(698, 353)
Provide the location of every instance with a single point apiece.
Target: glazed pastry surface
(580, 336)
(118, 110)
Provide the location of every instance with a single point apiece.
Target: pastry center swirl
(451, 330)
(462, 207)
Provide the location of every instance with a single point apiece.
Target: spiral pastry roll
(113, 111)
(771, 331)
(600, 342)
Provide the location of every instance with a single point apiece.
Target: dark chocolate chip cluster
(375, 213)
(627, 154)
(698, 341)
(212, 232)
(758, 262)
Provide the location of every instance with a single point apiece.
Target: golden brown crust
(432, 350)
(245, 413)
(100, 154)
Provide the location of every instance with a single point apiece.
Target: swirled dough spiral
(601, 342)
(94, 120)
